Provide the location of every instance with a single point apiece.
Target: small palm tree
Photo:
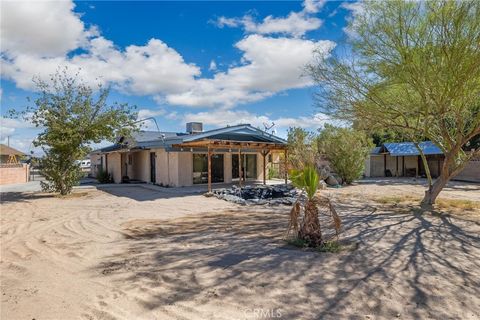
(309, 230)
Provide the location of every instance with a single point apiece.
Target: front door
(153, 170)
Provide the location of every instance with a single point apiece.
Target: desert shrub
(301, 150)
(104, 177)
(273, 173)
(330, 246)
(346, 149)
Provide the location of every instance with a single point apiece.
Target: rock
(338, 178)
(258, 194)
(331, 181)
(322, 185)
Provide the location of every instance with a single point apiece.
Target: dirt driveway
(150, 255)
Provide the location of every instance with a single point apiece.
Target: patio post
(209, 169)
(286, 166)
(240, 167)
(264, 154)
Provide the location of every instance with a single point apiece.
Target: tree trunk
(434, 189)
(310, 230)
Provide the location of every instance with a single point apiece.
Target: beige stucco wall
(375, 165)
(227, 167)
(185, 171)
(172, 168)
(114, 166)
(167, 172)
(471, 172)
(95, 160)
(411, 162)
(367, 172)
(260, 166)
(141, 166)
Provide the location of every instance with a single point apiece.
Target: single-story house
(191, 157)
(10, 155)
(11, 170)
(403, 159)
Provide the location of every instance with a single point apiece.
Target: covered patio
(218, 145)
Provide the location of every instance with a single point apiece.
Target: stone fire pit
(259, 194)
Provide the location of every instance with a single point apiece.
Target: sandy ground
(133, 253)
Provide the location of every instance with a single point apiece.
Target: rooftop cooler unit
(194, 127)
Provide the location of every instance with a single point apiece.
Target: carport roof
(407, 149)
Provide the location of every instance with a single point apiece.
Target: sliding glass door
(200, 168)
(248, 166)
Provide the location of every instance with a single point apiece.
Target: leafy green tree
(414, 68)
(301, 150)
(73, 116)
(346, 149)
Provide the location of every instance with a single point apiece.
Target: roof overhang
(231, 144)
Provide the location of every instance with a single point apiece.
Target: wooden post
(240, 167)
(396, 171)
(417, 171)
(264, 154)
(286, 166)
(209, 170)
(384, 164)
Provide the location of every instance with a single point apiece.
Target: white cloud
(356, 9)
(8, 126)
(295, 24)
(148, 69)
(41, 28)
(222, 117)
(148, 113)
(313, 6)
(213, 66)
(270, 65)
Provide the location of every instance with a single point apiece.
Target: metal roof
(152, 139)
(397, 149)
(376, 150)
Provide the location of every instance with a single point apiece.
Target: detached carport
(403, 160)
(264, 148)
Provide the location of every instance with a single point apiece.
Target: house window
(130, 159)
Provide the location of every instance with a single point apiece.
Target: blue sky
(215, 62)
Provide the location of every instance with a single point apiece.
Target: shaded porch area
(239, 158)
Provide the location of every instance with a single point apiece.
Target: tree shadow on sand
(409, 264)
